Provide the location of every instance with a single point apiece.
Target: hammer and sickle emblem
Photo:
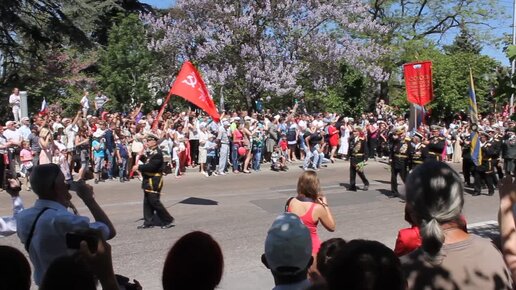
(190, 80)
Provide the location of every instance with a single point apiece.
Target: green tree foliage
(451, 82)
(49, 48)
(126, 64)
(451, 79)
(414, 23)
(348, 96)
(464, 42)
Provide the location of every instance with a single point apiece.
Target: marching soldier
(154, 213)
(418, 154)
(484, 172)
(358, 156)
(435, 144)
(509, 152)
(496, 140)
(399, 156)
(468, 167)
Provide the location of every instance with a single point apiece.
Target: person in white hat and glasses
(25, 128)
(288, 252)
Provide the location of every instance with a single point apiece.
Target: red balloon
(242, 151)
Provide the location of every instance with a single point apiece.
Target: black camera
(73, 240)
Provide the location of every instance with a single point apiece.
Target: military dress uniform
(154, 213)
(418, 152)
(497, 142)
(468, 167)
(400, 158)
(418, 155)
(509, 153)
(357, 154)
(485, 170)
(435, 148)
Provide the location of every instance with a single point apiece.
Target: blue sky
(500, 26)
(159, 3)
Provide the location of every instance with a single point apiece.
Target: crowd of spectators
(96, 143)
(105, 145)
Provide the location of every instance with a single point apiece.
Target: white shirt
(14, 100)
(70, 132)
(203, 136)
(25, 132)
(85, 103)
(8, 223)
(48, 241)
(193, 133)
(14, 135)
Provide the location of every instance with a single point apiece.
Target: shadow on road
(389, 194)
(382, 181)
(199, 201)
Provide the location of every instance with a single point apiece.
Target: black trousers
(373, 144)
(468, 167)
(353, 174)
(211, 164)
(487, 177)
(154, 213)
(2, 171)
(499, 169)
(395, 171)
(194, 151)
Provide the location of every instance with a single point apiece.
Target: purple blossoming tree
(258, 48)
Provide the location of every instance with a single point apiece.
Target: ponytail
(432, 237)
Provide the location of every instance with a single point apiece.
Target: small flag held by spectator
(44, 108)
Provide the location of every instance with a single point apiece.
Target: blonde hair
(308, 184)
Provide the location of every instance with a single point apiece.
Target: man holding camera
(43, 227)
(154, 213)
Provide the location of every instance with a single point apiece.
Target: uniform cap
(152, 136)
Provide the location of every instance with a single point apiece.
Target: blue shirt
(210, 148)
(122, 149)
(100, 152)
(48, 241)
(110, 140)
(302, 285)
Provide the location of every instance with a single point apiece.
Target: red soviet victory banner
(190, 86)
(418, 82)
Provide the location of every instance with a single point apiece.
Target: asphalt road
(238, 209)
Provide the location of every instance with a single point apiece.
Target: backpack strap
(29, 238)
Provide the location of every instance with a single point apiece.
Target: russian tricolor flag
(44, 108)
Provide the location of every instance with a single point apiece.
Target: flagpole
(160, 113)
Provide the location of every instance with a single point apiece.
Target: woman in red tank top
(311, 206)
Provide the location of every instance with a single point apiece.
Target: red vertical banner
(418, 82)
